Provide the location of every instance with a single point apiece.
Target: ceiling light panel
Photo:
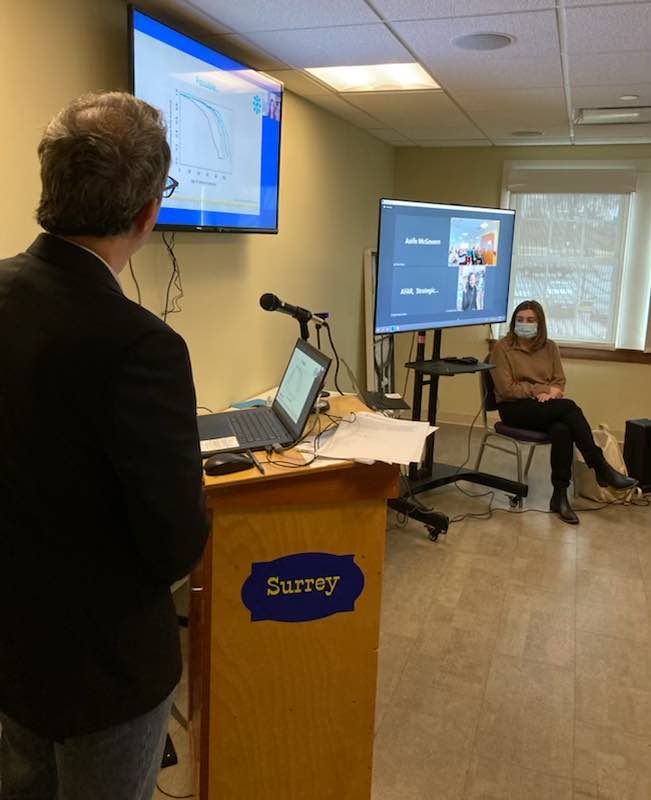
(341, 46)
(252, 15)
(622, 115)
(375, 77)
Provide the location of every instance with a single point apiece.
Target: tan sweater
(523, 373)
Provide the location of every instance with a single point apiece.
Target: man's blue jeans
(118, 763)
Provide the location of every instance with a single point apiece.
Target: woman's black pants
(563, 422)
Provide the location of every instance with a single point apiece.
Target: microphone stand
(305, 333)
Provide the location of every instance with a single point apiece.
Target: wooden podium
(280, 708)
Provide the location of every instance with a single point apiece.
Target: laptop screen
(301, 384)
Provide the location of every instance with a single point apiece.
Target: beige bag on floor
(585, 481)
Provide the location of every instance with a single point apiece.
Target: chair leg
(529, 460)
(482, 447)
(518, 456)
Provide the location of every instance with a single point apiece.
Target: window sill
(598, 354)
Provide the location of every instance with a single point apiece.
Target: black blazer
(101, 504)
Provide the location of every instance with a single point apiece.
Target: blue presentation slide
(441, 266)
(223, 125)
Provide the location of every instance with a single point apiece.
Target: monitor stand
(429, 474)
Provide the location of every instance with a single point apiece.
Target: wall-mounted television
(441, 266)
(223, 125)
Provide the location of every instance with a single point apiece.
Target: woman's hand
(543, 397)
(555, 392)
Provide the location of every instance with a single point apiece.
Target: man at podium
(100, 471)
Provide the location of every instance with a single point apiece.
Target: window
(568, 254)
(582, 249)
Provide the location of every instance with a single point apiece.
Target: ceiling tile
(182, 15)
(519, 120)
(253, 15)
(497, 73)
(454, 143)
(609, 69)
(603, 29)
(497, 129)
(331, 47)
(299, 82)
(418, 108)
(343, 109)
(239, 48)
(389, 135)
(607, 96)
(535, 35)
(426, 9)
(539, 141)
(546, 99)
(612, 133)
(436, 132)
(570, 3)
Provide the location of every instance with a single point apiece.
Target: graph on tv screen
(223, 120)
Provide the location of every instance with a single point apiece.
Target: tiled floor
(515, 655)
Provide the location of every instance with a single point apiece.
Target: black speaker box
(637, 451)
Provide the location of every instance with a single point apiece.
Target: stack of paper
(365, 436)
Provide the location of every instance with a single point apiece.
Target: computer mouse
(225, 463)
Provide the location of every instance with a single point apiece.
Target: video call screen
(441, 266)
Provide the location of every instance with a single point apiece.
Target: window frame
(621, 172)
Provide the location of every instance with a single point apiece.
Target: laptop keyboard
(251, 426)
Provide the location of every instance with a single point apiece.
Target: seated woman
(530, 393)
(469, 297)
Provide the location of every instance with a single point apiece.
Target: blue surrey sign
(302, 587)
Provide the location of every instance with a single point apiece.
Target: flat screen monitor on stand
(441, 266)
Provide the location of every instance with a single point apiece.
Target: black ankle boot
(608, 476)
(561, 505)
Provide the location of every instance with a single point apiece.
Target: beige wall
(609, 392)
(331, 177)
(49, 53)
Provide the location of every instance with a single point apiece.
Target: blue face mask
(526, 330)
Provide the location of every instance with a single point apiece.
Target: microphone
(270, 302)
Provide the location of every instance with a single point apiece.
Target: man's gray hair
(103, 157)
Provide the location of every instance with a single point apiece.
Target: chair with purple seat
(516, 438)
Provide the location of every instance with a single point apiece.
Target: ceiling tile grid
(395, 10)
(604, 29)
(333, 46)
(564, 53)
(246, 16)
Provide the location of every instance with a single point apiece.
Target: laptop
(283, 422)
(378, 401)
